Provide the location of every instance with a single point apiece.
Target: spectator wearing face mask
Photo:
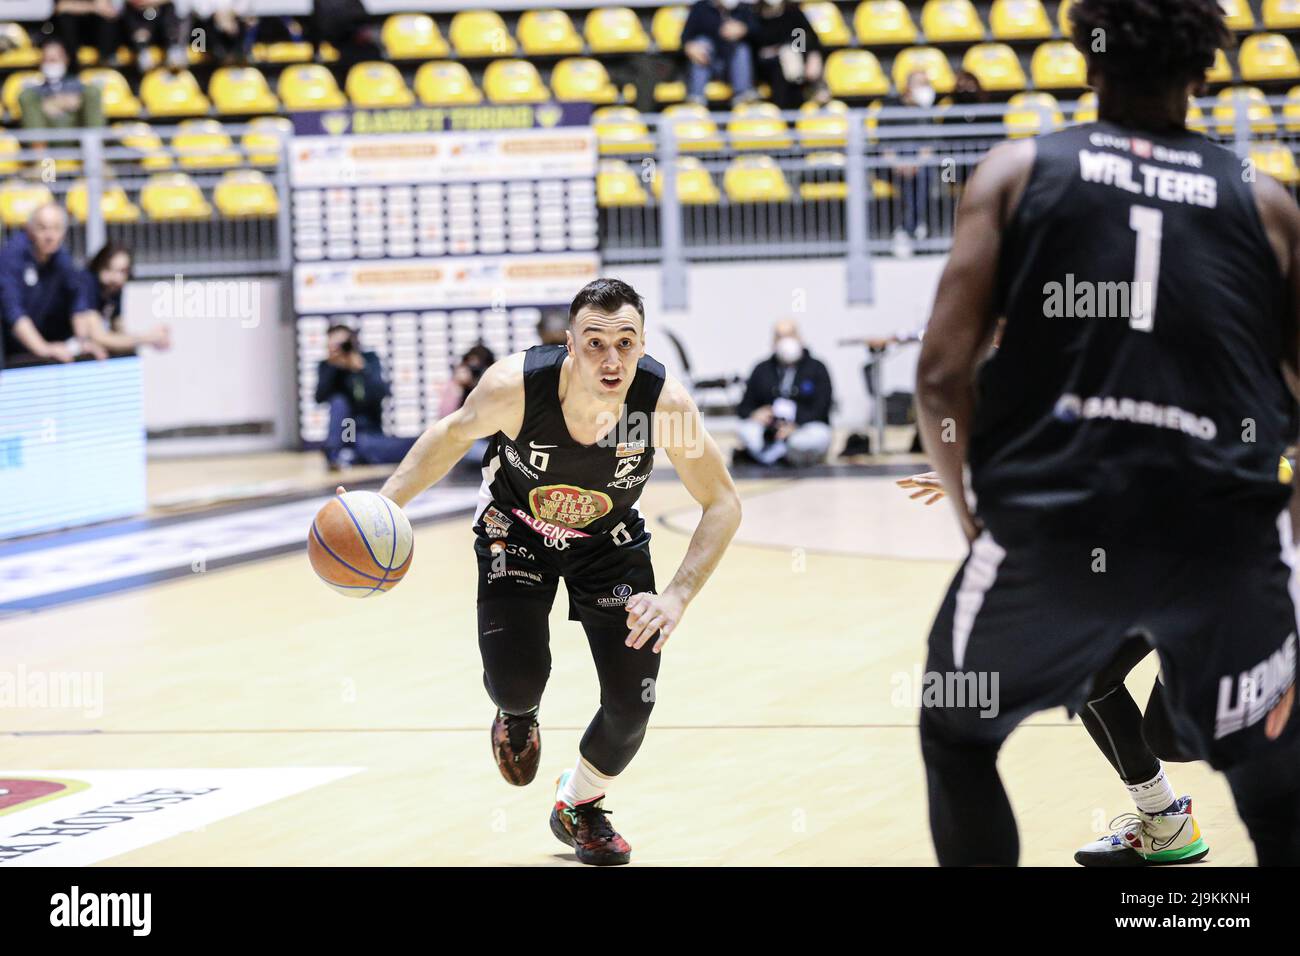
(912, 175)
(715, 41)
(787, 52)
(60, 101)
(786, 409)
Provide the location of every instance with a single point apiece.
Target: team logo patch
(496, 524)
(512, 456)
(19, 793)
(568, 505)
(620, 595)
(625, 448)
(626, 466)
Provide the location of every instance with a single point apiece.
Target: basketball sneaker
(517, 746)
(1148, 839)
(586, 828)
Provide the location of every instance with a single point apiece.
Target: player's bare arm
(496, 404)
(963, 317)
(702, 470)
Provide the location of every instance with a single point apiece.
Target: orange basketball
(360, 543)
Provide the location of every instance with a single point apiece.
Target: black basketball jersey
(1139, 373)
(562, 489)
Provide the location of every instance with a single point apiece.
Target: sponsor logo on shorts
(512, 549)
(568, 505)
(1071, 408)
(532, 576)
(553, 535)
(620, 595)
(1245, 698)
(512, 456)
(495, 523)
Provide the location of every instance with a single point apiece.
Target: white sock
(584, 784)
(1154, 795)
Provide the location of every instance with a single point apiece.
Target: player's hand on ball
(648, 614)
(931, 489)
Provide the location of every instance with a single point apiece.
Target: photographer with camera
(352, 383)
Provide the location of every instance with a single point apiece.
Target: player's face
(605, 349)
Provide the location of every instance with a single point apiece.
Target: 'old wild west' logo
(568, 505)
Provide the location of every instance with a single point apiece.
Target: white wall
(728, 327)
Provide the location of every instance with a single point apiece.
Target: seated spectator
(60, 101)
(223, 28)
(149, 24)
(41, 289)
(464, 377)
(100, 326)
(787, 406)
(93, 23)
(553, 327)
(352, 383)
(714, 39)
(788, 55)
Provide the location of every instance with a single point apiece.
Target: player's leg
(1267, 794)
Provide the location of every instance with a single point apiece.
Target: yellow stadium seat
(666, 27)
(618, 185)
(244, 193)
(1019, 20)
(755, 179)
(21, 54)
(204, 144)
(114, 203)
(9, 147)
(1268, 56)
(1029, 114)
(1058, 65)
(13, 87)
(758, 126)
(446, 84)
(479, 33)
(413, 36)
(820, 126)
(1282, 14)
(673, 91)
(951, 21)
(547, 33)
(1086, 111)
(1237, 14)
(996, 66)
(693, 127)
(1221, 70)
(261, 143)
(835, 188)
(309, 86)
(173, 196)
(289, 51)
(855, 73)
(1196, 117)
(615, 30)
(620, 129)
(828, 23)
(1277, 160)
(695, 187)
(373, 84)
(141, 138)
(165, 93)
(933, 61)
(514, 81)
(114, 92)
(241, 89)
(1292, 109)
(1063, 18)
(1252, 100)
(884, 23)
(582, 80)
(19, 198)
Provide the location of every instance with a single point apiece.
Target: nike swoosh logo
(533, 444)
(1158, 846)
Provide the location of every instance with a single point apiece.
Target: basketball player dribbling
(573, 430)
(1123, 463)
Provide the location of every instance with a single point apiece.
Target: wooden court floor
(784, 733)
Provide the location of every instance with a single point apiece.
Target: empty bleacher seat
(241, 89)
(1268, 56)
(583, 80)
(115, 205)
(694, 184)
(1063, 18)
(446, 84)
(513, 81)
(114, 93)
(618, 185)
(19, 198)
(615, 30)
(1086, 110)
(828, 23)
(141, 138)
(931, 60)
(287, 51)
(13, 87)
(693, 127)
(167, 93)
(758, 126)
(666, 27)
(1291, 109)
(479, 33)
(204, 144)
(1058, 65)
(9, 150)
(1238, 15)
(620, 129)
(1249, 100)
(1019, 20)
(855, 73)
(1221, 70)
(413, 36)
(1277, 160)
(996, 66)
(951, 21)
(823, 125)
(168, 196)
(243, 193)
(883, 23)
(376, 84)
(1029, 114)
(21, 54)
(260, 141)
(309, 86)
(547, 33)
(755, 179)
(1281, 14)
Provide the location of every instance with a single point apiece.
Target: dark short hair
(606, 295)
(340, 327)
(105, 255)
(1150, 42)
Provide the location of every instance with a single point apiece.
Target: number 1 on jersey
(1148, 223)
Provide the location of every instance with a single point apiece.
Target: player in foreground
(1122, 448)
(573, 432)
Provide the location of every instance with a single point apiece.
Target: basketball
(360, 543)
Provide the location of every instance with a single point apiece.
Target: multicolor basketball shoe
(1148, 839)
(586, 828)
(517, 746)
